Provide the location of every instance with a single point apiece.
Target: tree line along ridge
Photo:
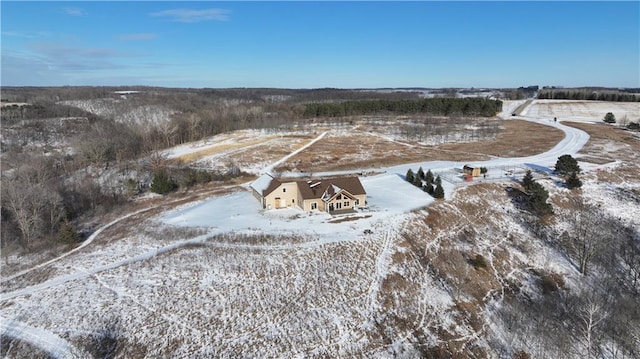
(433, 106)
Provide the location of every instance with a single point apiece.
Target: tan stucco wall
(290, 196)
(362, 198)
(307, 205)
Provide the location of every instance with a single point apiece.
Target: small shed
(471, 171)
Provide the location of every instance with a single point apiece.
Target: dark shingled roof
(314, 189)
(271, 187)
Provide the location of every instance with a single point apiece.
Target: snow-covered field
(588, 111)
(223, 278)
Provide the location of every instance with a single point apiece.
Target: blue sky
(321, 44)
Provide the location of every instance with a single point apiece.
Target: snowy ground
(222, 277)
(583, 111)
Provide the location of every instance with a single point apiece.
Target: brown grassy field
(609, 142)
(519, 138)
(348, 150)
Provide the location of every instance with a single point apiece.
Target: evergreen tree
(439, 191)
(428, 187)
(428, 177)
(527, 180)
(420, 173)
(417, 181)
(67, 233)
(537, 202)
(162, 183)
(566, 165)
(609, 118)
(410, 177)
(438, 181)
(573, 181)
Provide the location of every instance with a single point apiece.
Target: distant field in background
(584, 110)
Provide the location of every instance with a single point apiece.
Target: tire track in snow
(383, 261)
(86, 273)
(287, 157)
(46, 341)
(88, 241)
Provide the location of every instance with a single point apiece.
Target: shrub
(521, 354)
(131, 187)
(609, 118)
(573, 181)
(548, 285)
(527, 180)
(478, 261)
(162, 183)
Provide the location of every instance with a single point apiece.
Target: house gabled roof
(265, 184)
(325, 189)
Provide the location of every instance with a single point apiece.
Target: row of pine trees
(426, 181)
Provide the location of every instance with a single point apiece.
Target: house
(325, 195)
(472, 171)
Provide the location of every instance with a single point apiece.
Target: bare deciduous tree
(587, 234)
(34, 208)
(591, 314)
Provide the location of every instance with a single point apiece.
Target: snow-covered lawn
(388, 195)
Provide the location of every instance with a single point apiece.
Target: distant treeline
(205, 95)
(432, 106)
(12, 113)
(588, 94)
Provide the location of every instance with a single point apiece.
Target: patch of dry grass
(349, 218)
(212, 150)
(618, 175)
(609, 142)
(518, 139)
(363, 150)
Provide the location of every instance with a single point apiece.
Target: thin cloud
(26, 34)
(192, 16)
(74, 11)
(68, 58)
(137, 37)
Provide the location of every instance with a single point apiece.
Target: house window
(293, 200)
(357, 203)
(346, 203)
(284, 190)
(314, 205)
(338, 205)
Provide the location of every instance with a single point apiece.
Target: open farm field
(363, 150)
(567, 110)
